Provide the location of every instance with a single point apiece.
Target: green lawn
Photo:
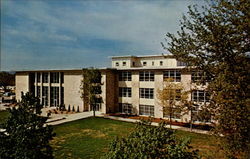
(3, 115)
(90, 138)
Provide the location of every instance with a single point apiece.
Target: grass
(3, 116)
(90, 138)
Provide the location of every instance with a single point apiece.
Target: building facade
(131, 86)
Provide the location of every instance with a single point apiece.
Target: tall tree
(148, 141)
(24, 134)
(215, 39)
(172, 98)
(91, 88)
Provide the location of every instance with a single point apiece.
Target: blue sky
(63, 34)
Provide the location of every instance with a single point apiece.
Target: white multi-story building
(130, 86)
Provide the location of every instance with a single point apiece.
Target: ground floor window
(146, 110)
(54, 96)
(45, 91)
(125, 108)
(176, 113)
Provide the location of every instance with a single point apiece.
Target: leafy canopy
(25, 134)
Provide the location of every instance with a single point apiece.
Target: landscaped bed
(90, 138)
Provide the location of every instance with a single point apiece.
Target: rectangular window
(200, 96)
(62, 95)
(146, 76)
(147, 93)
(54, 96)
(153, 63)
(45, 77)
(62, 77)
(38, 91)
(45, 95)
(144, 63)
(161, 63)
(179, 63)
(125, 108)
(146, 110)
(173, 75)
(117, 63)
(125, 76)
(176, 113)
(123, 63)
(124, 92)
(196, 76)
(54, 77)
(38, 76)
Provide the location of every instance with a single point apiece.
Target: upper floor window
(133, 63)
(146, 76)
(123, 63)
(45, 77)
(180, 63)
(173, 75)
(117, 64)
(144, 63)
(200, 96)
(124, 92)
(38, 77)
(196, 76)
(54, 77)
(161, 63)
(147, 93)
(62, 77)
(153, 63)
(125, 76)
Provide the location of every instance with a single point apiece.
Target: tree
(215, 39)
(148, 141)
(91, 88)
(25, 134)
(172, 97)
(7, 79)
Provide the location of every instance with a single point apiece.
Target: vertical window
(146, 76)
(54, 77)
(38, 91)
(62, 77)
(117, 63)
(45, 96)
(124, 92)
(146, 110)
(125, 108)
(161, 63)
(38, 76)
(144, 63)
(147, 93)
(173, 75)
(45, 77)
(133, 63)
(196, 76)
(153, 63)
(54, 96)
(125, 76)
(62, 95)
(179, 63)
(200, 96)
(123, 63)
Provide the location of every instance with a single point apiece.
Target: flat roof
(142, 56)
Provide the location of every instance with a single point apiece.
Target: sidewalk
(156, 124)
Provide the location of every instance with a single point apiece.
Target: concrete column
(35, 84)
(135, 92)
(49, 89)
(41, 87)
(60, 86)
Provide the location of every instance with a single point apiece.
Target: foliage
(91, 88)
(25, 135)
(215, 39)
(151, 142)
(7, 79)
(172, 98)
